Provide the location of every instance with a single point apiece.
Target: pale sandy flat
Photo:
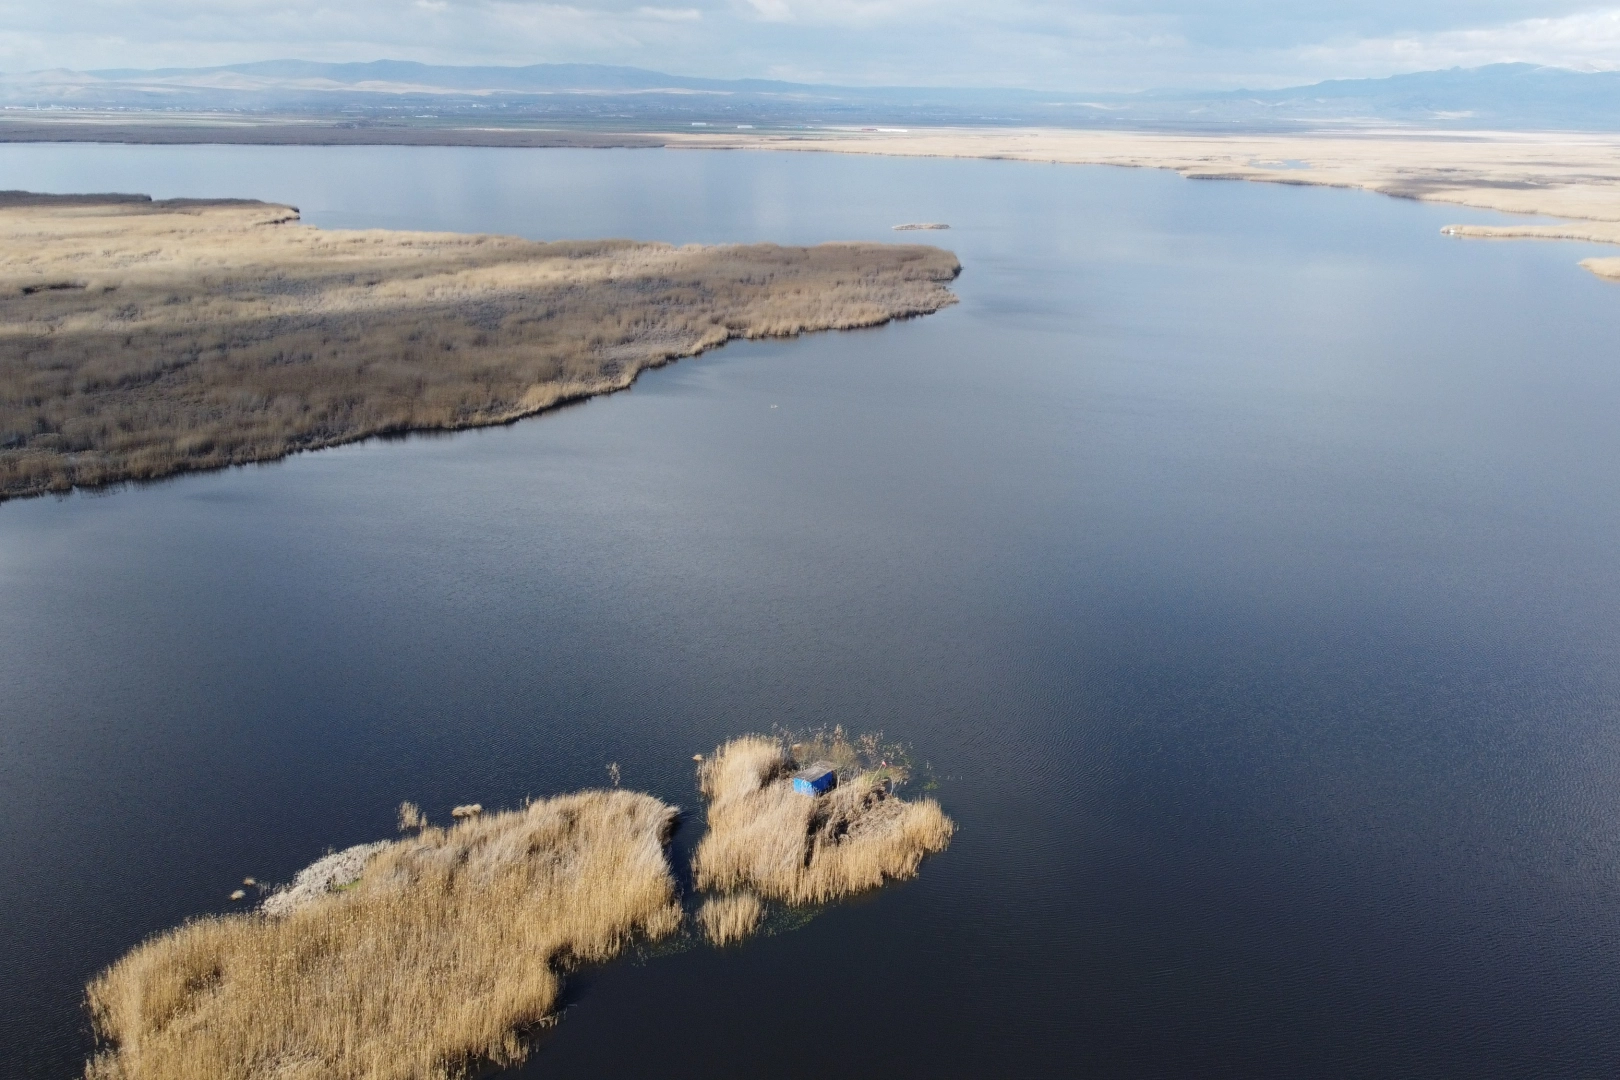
(1571, 176)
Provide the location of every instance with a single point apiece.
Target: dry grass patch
(140, 338)
(434, 956)
(766, 838)
(433, 964)
(728, 919)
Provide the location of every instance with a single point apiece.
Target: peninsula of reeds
(433, 964)
(437, 956)
(140, 338)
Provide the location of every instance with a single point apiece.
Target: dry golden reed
(767, 838)
(140, 338)
(433, 964)
(731, 918)
(434, 956)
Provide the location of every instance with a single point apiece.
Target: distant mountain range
(1504, 96)
(1507, 96)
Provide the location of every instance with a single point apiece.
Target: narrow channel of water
(1243, 560)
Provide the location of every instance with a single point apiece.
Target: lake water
(1245, 561)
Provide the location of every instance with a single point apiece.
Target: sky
(1043, 44)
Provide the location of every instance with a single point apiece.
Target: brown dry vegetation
(434, 964)
(728, 919)
(140, 338)
(766, 838)
(435, 956)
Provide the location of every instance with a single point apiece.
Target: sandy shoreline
(102, 128)
(1569, 176)
(1558, 175)
(1574, 177)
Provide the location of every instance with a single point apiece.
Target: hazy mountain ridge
(1510, 95)
(445, 78)
(1504, 96)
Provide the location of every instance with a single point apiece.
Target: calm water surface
(1245, 560)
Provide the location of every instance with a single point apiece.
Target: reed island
(141, 338)
(437, 955)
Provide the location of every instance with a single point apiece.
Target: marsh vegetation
(730, 918)
(438, 955)
(432, 963)
(765, 838)
(142, 338)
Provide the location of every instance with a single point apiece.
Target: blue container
(818, 779)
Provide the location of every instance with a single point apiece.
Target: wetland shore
(1571, 176)
(436, 956)
(1574, 177)
(139, 339)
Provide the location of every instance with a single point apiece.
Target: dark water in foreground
(1245, 560)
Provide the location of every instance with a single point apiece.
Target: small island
(438, 955)
(141, 338)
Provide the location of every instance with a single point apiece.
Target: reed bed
(434, 957)
(726, 920)
(141, 338)
(434, 964)
(765, 838)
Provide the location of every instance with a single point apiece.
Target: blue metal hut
(817, 779)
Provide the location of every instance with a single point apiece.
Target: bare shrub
(448, 948)
(140, 339)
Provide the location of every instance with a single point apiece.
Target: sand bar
(1568, 175)
(1575, 177)
(1558, 174)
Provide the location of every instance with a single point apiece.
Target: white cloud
(1587, 41)
(848, 13)
(772, 10)
(1056, 44)
(670, 14)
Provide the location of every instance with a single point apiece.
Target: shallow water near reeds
(1243, 560)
